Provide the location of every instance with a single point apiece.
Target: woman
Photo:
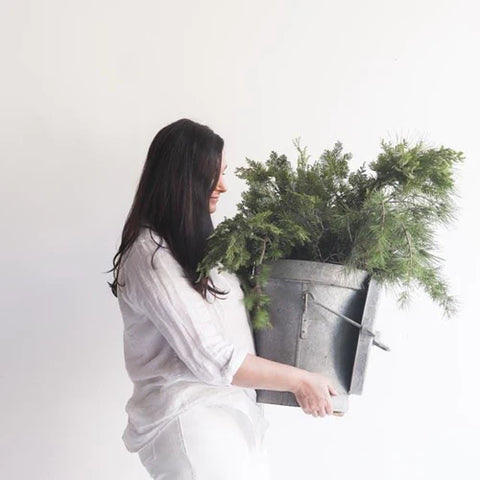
(189, 347)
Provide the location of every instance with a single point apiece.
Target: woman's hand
(313, 393)
(312, 390)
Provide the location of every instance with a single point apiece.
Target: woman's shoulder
(149, 241)
(147, 235)
(149, 256)
(147, 245)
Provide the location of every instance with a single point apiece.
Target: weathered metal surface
(318, 311)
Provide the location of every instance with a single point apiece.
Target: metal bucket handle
(362, 328)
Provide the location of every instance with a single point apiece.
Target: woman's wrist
(299, 380)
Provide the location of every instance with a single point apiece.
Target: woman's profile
(188, 344)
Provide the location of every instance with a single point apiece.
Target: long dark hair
(172, 198)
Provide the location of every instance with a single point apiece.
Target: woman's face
(220, 187)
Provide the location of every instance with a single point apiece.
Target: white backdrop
(85, 87)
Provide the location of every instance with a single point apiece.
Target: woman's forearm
(312, 390)
(258, 372)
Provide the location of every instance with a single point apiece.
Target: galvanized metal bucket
(322, 320)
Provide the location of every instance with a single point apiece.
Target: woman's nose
(221, 187)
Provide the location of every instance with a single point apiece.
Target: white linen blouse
(180, 349)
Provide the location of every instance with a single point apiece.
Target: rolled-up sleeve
(181, 314)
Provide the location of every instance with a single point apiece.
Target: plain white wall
(87, 84)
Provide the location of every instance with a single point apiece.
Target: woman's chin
(213, 206)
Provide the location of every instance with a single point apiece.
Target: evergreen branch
(380, 221)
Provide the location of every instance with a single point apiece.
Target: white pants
(207, 442)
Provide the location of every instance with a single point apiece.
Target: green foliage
(381, 219)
